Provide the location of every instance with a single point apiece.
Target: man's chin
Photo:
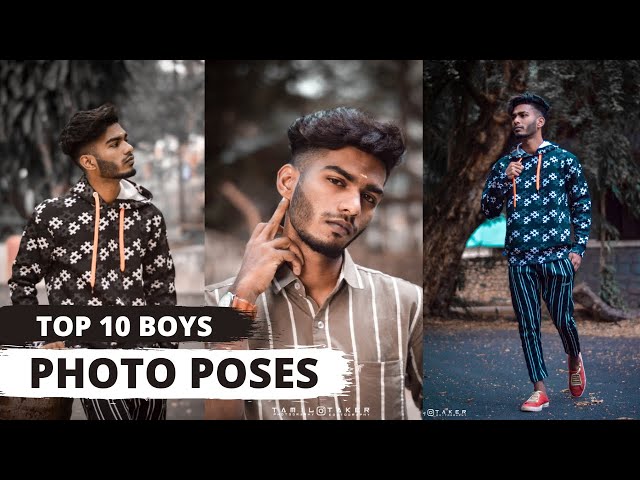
(127, 174)
(330, 250)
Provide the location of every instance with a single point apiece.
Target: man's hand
(53, 345)
(263, 256)
(575, 260)
(514, 169)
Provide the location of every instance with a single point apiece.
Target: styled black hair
(84, 127)
(529, 98)
(342, 127)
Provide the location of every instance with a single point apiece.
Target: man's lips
(345, 227)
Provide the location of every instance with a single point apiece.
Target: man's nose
(350, 204)
(128, 148)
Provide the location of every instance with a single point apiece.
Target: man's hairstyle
(529, 98)
(84, 127)
(342, 127)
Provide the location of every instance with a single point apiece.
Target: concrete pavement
(480, 373)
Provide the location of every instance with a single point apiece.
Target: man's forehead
(114, 130)
(524, 107)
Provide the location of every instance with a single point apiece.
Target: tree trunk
(583, 295)
(449, 226)
(472, 150)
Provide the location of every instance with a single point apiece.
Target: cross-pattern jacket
(542, 208)
(115, 254)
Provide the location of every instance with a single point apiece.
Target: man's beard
(110, 170)
(300, 214)
(526, 132)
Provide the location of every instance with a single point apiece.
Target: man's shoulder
(563, 153)
(150, 209)
(56, 204)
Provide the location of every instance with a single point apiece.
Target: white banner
(172, 373)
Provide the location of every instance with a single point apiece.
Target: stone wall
(486, 278)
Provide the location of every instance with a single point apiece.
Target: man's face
(523, 121)
(113, 154)
(335, 198)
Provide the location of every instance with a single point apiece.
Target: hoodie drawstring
(96, 228)
(537, 179)
(513, 180)
(121, 238)
(94, 258)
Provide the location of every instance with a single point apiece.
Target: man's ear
(287, 180)
(88, 162)
(540, 122)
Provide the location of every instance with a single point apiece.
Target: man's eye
(370, 198)
(336, 181)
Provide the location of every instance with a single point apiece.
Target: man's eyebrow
(117, 137)
(369, 186)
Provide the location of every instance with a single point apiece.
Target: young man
(102, 243)
(307, 290)
(546, 195)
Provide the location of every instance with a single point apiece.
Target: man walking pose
(546, 194)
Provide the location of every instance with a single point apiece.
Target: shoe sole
(534, 409)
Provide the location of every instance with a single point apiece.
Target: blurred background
(160, 104)
(249, 107)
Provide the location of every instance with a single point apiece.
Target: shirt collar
(349, 273)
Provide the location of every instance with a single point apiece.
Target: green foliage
(460, 98)
(595, 112)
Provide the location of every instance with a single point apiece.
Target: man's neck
(531, 144)
(319, 272)
(107, 188)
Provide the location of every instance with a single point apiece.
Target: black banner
(124, 326)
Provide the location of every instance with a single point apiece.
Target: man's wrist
(244, 292)
(237, 302)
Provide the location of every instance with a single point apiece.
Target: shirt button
(320, 324)
(297, 285)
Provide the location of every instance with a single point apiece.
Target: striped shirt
(374, 318)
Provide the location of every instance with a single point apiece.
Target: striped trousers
(125, 409)
(555, 281)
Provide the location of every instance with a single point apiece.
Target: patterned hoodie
(549, 196)
(93, 253)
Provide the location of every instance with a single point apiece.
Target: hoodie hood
(544, 148)
(131, 195)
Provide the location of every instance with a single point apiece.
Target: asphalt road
(480, 373)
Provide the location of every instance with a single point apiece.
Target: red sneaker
(536, 402)
(577, 379)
